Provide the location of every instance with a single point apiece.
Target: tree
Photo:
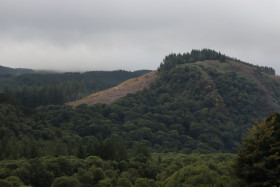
(144, 182)
(11, 182)
(124, 182)
(65, 181)
(258, 162)
(39, 175)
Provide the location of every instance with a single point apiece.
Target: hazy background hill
(7, 72)
(32, 88)
(129, 86)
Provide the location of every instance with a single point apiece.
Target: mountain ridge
(7, 71)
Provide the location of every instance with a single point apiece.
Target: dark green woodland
(186, 129)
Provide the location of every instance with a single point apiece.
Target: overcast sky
(83, 35)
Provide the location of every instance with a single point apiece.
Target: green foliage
(8, 72)
(143, 182)
(198, 107)
(22, 134)
(12, 181)
(124, 182)
(196, 175)
(65, 181)
(37, 89)
(172, 60)
(39, 175)
(104, 183)
(90, 177)
(195, 108)
(258, 162)
(157, 170)
(5, 183)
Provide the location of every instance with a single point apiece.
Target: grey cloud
(125, 34)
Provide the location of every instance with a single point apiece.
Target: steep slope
(267, 84)
(201, 102)
(110, 95)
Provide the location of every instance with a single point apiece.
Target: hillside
(110, 95)
(202, 101)
(267, 84)
(177, 126)
(45, 88)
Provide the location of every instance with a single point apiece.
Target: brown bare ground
(108, 96)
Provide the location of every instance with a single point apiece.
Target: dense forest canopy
(183, 130)
(37, 89)
(206, 54)
(8, 72)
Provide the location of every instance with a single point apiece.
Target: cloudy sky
(81, 35)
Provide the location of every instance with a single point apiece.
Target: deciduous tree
(258, 162)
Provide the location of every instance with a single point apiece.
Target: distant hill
(110, 95)
(44, 88)
(6, 71)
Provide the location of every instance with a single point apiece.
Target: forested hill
(207, 61)
(202, 101)
(110, 95)
(7, 72)
(34, 89)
